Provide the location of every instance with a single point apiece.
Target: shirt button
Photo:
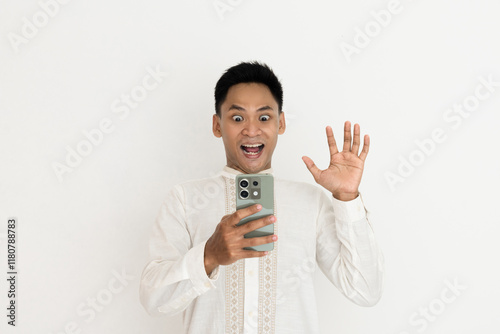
(207, 284)
(250, 313)
(250, 273)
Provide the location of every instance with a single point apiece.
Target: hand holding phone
(228, 243)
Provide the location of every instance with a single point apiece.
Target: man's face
(249, 126)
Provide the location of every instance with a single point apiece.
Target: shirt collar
(231, 172)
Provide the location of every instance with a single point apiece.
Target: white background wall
(437, 221)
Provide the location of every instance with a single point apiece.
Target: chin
(253, 167)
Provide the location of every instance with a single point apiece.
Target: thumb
(315, 171)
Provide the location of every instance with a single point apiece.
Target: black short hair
(248, 72)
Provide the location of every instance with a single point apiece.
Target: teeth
(252, 145)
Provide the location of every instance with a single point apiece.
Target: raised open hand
(343, 175)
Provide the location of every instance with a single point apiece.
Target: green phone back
(260, 191)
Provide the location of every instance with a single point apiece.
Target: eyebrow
(239, 108)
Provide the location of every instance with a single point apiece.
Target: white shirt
(271, 294)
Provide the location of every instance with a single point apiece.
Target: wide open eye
(237, 118)
(264, 118)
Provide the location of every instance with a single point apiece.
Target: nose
(252, 128)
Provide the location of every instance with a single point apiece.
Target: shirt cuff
(196, 269)
(349, 211)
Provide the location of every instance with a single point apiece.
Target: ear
(282, 124)
(216, 126)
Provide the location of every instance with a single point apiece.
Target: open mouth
(252, 150)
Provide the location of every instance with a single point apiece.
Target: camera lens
(244, 183)
(244, 194)
(255, 183)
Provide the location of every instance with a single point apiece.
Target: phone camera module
(255, 183)
(244, 194)
(244, 183)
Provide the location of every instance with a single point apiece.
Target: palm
(343, 175)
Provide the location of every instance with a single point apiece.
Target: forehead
(249, 96)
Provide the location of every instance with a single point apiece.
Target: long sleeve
(175, 275)
(347, 251)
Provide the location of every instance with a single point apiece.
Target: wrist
(209, 263)
(345, 197)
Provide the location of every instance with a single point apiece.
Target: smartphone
(256, 189)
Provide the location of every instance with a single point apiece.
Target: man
(198, 264)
